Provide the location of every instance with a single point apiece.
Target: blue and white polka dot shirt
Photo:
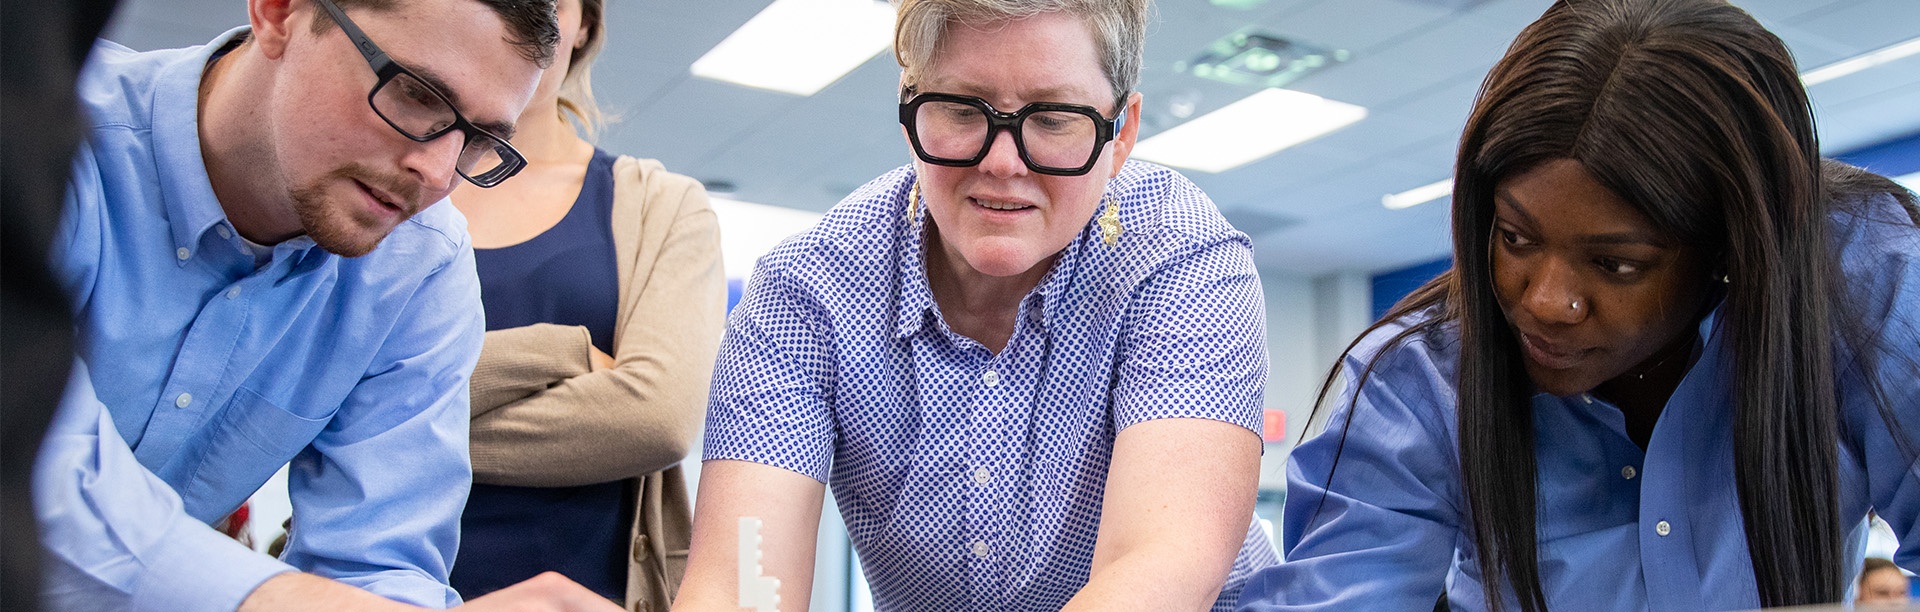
(972, 480)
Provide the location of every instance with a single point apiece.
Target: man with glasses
(263, 272)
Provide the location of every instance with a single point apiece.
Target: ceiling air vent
(1260, 59)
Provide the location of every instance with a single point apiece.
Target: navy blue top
(567, 276)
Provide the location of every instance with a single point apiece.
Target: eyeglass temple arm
(365, 45)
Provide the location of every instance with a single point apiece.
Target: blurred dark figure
(1882, 585)
(42, 46)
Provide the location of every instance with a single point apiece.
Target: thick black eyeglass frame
(997, 121)
(511, 161)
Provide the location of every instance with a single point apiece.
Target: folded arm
(544, 415)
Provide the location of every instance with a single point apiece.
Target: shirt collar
(916, 296)
(1707, 323)
(186, 191)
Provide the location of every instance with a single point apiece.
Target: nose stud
(1574, 305)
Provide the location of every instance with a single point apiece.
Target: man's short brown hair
(531, 24)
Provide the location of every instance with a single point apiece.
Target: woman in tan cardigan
(605, 298)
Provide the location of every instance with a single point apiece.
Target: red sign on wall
(1273, 428)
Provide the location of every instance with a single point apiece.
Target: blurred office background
(1352, 109)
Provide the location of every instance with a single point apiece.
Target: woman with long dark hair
(1674, 362)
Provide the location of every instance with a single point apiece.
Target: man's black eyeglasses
(1053, 138)
(422, 112)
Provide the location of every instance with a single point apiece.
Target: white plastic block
(761, 593)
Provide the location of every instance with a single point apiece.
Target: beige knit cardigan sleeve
(543, 417)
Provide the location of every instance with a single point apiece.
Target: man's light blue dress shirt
(972, 480)
(217, 372)
(119, 538)
(1620, 529)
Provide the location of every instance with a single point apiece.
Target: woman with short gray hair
(1030, 369)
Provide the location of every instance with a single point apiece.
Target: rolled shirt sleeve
(1196, 341)
(768, 402)
(117, 537)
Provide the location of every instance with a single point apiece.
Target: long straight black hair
(1693, 113)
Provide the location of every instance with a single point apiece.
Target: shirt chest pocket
(245, 444)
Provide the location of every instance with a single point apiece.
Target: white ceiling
(1312, 209)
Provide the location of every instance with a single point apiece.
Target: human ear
(1123, 142)
(584, 34)
(274, 22)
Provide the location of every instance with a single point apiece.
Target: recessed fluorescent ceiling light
(1858, 63)
(1252, 128)
(749, 230)
(1418, 195)
(1911, 182)
(800, 46)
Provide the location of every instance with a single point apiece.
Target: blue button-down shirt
(217, 371)
(972, 480)
(1620, 529)
(118, 537)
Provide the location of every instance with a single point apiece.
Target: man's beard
(332, 226)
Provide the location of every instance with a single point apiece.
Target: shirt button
(982, 476)
(183, 400)
(182, 253)
(1662, 528)
(224, 232)
(233, 293)
(980, 549)
(990, 378)
(1628, 472)
(1586, 398)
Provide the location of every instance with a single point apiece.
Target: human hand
(601, 361)
(548, 592)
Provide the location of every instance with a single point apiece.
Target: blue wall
(1895, 157)
(1389, 287)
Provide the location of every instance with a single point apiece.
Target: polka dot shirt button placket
(986, 422)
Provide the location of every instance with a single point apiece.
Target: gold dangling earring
(1109, 222)
(913, 200)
